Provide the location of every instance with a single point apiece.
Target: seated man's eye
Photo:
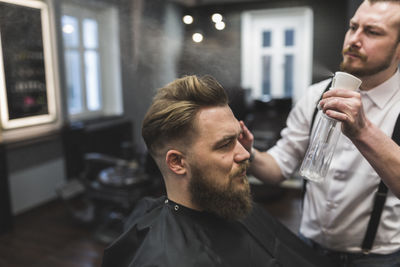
(373, 33)
(227, 144)
(352, 27)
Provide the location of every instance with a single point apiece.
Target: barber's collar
(381, 94)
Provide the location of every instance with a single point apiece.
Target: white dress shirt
(336, 212)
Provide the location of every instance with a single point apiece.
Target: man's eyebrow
(227, 138)
(369, 27)
(224, 139)
(353, 22)
(374, 27)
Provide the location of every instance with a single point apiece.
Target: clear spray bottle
(319, 154)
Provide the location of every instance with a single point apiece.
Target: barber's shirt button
(339, 175)
(176, 207)
(331, 205)
(166, 201)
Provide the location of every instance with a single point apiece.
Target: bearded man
(353, 216)
(208, 217)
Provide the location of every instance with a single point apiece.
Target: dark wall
(151, 38)
(5, 207)
(352, 6)
(220, 55)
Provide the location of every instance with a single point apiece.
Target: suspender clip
(381, 194)
(366, 251)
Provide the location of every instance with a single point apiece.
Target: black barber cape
(167, 234)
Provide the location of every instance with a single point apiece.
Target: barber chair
(106, 176)
(105, 193)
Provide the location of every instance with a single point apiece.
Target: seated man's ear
(175, 161)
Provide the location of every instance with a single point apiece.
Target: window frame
(254, 22)
(108, 52)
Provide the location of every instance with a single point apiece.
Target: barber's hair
(172, 113)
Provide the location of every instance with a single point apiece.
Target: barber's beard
(226, 201)
(366, 70)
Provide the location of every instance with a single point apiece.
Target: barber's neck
(370, 82)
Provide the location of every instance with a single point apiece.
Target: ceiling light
(197, 37)
(216, 17)
(220, 25)
(187, 19)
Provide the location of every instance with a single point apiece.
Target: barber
(337, 211)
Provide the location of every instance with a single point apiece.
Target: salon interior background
(152, 48)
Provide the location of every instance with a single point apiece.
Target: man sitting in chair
(208, 217)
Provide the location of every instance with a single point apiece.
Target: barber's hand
(246, 138)
(345, 106)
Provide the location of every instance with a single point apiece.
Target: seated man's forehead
(217, 122)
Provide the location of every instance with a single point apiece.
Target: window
(277, 52)
(92, 75)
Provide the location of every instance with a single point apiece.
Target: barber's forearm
(265, 168)
(383, 154)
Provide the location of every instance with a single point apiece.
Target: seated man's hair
(174, 107)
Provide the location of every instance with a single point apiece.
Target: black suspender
(316, 109)
(372, 228)
(380, 197)
(379, 202)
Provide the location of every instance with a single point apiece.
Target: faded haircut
(172, 113)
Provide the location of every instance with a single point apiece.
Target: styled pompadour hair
(172, 113)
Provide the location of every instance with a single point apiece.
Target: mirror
(26, 83)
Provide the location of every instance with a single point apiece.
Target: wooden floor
(48, 237)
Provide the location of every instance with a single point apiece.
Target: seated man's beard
(224, 201)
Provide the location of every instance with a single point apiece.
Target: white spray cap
(345, 81)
